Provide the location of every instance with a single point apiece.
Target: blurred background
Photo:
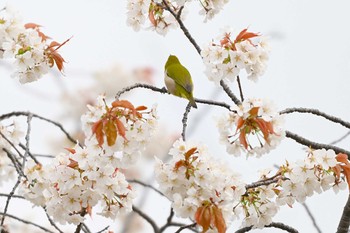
(309, 66)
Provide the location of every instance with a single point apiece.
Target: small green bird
(178, 80)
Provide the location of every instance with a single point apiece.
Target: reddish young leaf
(111, 132)
(190, 152)
(125, 104)
(152, 18)
(56, 58)
(240, 123)
(121, 128)
(71, 150)
(97, 129)
(219, 221)
(179, 164)
(242, 139)
(254, 111)
(203, 217)
(31, 25)
(343, 158)
(141, 108)
(54, 44)
(73, 163)
(244, 35)
(263, 127)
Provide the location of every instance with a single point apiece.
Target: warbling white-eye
(178, 80)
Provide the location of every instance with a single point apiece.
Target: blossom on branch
(254, 127)
(9, 134)
(151, 13)
(226, 59)
(121, 128)
(75, 182)
(28, 46)
(199, 186)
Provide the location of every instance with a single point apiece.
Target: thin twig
(340, 139)
(52, 222)
(274, 224)
(186, 227)
(240, 88)
(147, 218)
(343, 226)
(315, 145)
(27, 222)
(184, 121)
(30, 154)
(312, 217)
(264, 182)
(86, 228)
(164, 91)
(146, 185)
(9, 199)
(27, 138)
(168, 221)
(182, 26)
(230, 93)
(141, 85)
(13, 196)
(16, 114)
(210, 102)
(78, 229)
(15, 162)
(104, 229)
(317, 113)
(11, 144)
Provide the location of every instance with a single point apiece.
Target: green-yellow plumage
(178, 80)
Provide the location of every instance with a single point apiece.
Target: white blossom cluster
(24, 45)
(294, 182)
(77, 181)
(229, 58)
(211, 7)
(151, 13)
(155, 14)
(137, 135)
(74, 182)
(10, 133)
(201, 179)
(312, 175)
(254, 127)
(258, 207)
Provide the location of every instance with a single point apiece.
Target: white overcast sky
(309, 67)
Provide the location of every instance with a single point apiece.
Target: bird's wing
(185, 82)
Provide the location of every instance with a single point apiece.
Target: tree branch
(27, 138)
(274, 224)
(164, 91)
(146, 185)
(240, 88)
(147, 218)
(16, 114)
(186, 227)
(315, 145)
(8, 201)
(184, 121)
(182, 26)
(317, 113)
(344, 222)
(26, 222)
(312, 217)
(230, 93)
(340, 139)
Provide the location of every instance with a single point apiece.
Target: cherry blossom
(254, 127)
(226, 60)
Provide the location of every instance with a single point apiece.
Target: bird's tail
(192, 101)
